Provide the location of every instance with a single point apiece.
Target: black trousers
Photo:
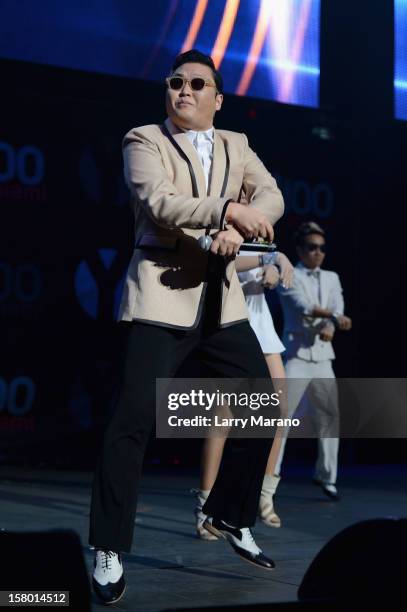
(157, 352)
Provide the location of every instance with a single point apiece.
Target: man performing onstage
(313, 308)
(185, 179)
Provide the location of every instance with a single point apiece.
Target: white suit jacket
(301, 332)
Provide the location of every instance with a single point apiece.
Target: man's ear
(218, 102)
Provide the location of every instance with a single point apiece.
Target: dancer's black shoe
(328, 489)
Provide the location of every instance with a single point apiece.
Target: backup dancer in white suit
(313, 308)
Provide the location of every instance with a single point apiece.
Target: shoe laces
(250, 537)
(106, 557)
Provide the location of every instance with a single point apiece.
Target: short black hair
(199, 58)
(306, 229)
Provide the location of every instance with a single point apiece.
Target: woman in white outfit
(255, 272)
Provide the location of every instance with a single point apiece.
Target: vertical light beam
(287, 81)
(225, 31)
(256, 47)
(195, 25)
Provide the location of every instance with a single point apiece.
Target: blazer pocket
(152, 241)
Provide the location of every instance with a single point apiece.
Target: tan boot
(266, 505)
(202, 533)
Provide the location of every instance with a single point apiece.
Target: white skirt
(260, 317)
(262, 323)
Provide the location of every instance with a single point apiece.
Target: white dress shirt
(203, 143)
(312, 277)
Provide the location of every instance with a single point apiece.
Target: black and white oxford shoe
(242, 542)
(108, 577)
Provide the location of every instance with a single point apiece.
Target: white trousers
(315, 385)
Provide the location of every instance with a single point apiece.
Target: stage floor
(169, 567)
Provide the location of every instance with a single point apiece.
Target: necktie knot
(313, 273)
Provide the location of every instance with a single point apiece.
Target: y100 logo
(17, 397)
(305, 200)
(25, 164)
(21, 283)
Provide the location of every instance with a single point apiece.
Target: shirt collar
(310, 271)
(209, 134)
(201, 134)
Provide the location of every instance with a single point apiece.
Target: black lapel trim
(190, 168)
(239, 321)
(227, 167)
(222, 217)
(185, 157)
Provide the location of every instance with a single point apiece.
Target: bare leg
(271, 480)
(276, 369)
(210, 461)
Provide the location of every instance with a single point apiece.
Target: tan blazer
(166, 280)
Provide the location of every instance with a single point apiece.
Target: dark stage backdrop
(66, 236)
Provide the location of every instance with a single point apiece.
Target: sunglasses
(197, 83)
(312, 246)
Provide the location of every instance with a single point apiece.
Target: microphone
(205, 242)
(259, 247)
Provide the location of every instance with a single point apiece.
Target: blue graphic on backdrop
(264, 49)
(305, 199)
(18, 160)
(22, 173)
(17, 396)
(400, 48)
(95, 287)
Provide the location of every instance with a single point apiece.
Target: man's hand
(327, 333)
(227, 242)
(271, 277)
(344, 323)
(286, 270)
(250, 222)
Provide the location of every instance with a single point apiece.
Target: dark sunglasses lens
(197, 84)
(313, 247)
(176, 83)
